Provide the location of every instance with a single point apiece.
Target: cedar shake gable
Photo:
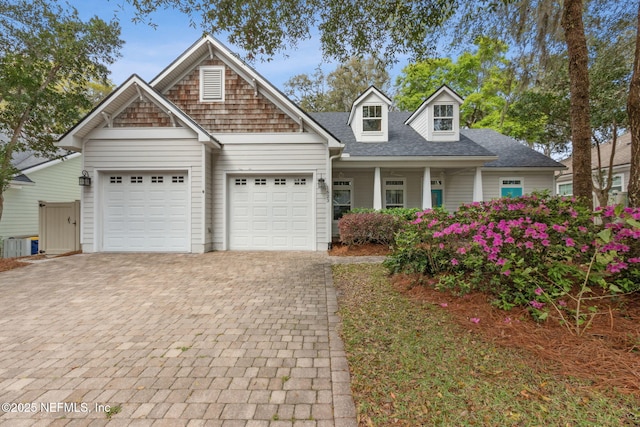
(134, 104)
(143, 114)
(242, 110)
(249, 103)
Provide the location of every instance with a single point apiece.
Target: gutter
(329, 203)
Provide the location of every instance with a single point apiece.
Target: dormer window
(372, 118)
(369, 116)
(443, 117)
(438, 118)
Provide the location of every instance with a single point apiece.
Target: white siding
(56, 183)
(458, 185)
(532, 181)
(268, 158)
(420, 123)
(142, 154)
(458, 189)
(363, 185)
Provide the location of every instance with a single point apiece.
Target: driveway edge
(344, 409)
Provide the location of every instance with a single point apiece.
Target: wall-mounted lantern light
(85, 179)
(322, 185)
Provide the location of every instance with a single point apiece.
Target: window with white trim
(443, 117)
(211, 83)
(511, 187)
(372, 118)
(394, 189)
(616, 184)
(565, 189)
(342, 197)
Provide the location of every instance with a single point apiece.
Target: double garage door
(146, 211)
(150, 212)
(270, 212)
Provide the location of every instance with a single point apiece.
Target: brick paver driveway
(221, 339)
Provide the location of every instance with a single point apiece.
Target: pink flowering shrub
(362, 228)
(524, 250)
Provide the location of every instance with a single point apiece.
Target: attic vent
(212, 84)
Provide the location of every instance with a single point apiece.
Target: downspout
(329, 192)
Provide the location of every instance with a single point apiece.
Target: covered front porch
(398, 186)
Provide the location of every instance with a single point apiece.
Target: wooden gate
(59, 227)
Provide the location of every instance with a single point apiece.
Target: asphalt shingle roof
(27, 159)
(621, 156)
(510, 152)
(404, 141)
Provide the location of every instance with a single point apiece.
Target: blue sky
(148, 50)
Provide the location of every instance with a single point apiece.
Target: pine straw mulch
(607, 354)
(338, 249)
(11, 263)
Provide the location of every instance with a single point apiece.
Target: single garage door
(146, 211)
(271, 213)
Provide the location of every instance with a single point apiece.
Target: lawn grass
(412, 365)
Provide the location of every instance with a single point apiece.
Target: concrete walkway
(220, 339)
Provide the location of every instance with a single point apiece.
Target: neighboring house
(39, 179)
(621, 169)
(210, 156)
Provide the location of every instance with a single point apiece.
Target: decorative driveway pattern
(221, 339)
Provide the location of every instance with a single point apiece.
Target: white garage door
(271, 213)
(146, 211)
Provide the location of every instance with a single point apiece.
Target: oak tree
(337, 90)
(48, 56)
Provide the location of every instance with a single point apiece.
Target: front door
(436, 198)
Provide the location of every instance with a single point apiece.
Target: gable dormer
(369, 118)
(438, 117)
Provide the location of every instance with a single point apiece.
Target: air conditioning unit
(13, 247)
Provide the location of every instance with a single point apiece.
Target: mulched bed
(338, 249)
(11, 263)
(608, 353)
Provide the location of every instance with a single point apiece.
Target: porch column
(377, 190)
(477, 186)
(426, 189)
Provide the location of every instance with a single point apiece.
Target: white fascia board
(93, 119)
(48, 164)
(17, 185)
(426, 102)
(270, 138)
(521, 169)
(370, 90)
(187, 54)
(72, 141)
(412, 162)
(162, 102)
(420, 158)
